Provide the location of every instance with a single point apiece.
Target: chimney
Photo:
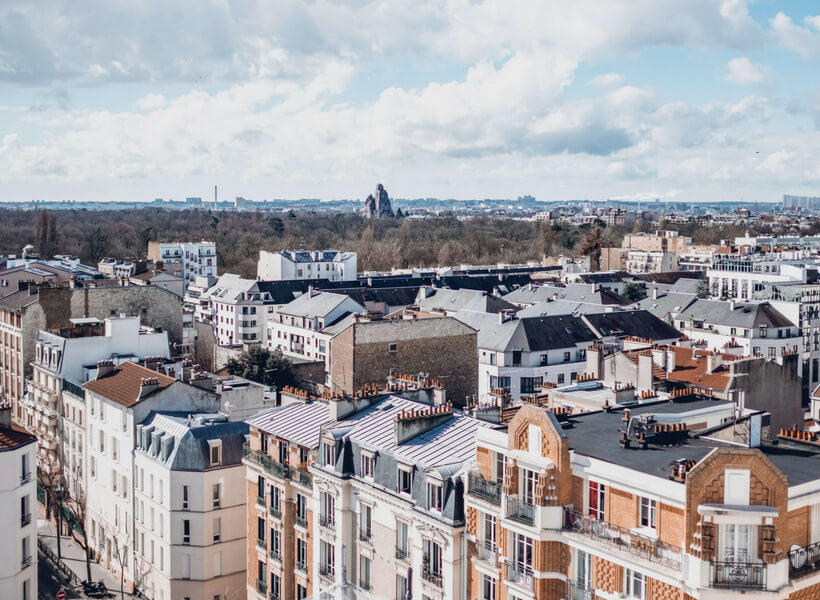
(104, 368)
(670, 360)
(655, 293)
(203, 381)
(148, 385)
(412, 423)
(505, 315)
(713, 361)
(732, 304)
(5, 414)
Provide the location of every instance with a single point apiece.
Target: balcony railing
(260, 542)
(431, 575)
(300, 566)
(275, 556)
(305, 478)
(276, 512)
(25, 563)
(521, 511)
(482, 488)
(25, 520)
(521, 574)
(624, 539)
(275, 595)
(739, 575)
(487, 551)
(301, 521)
(327, 521)
(805, 559)
(260, 500)
(266, 462)
(261, 587)
(25, 477)
(328, 571)
(580, 591)
(365, 535)
(402, 554)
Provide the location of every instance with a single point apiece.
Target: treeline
(381, 244)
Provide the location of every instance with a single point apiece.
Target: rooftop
(14, 437)
(123, 384)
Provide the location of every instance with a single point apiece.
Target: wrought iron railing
(521, 511)
(327, 521)
(25, 519)
(305, 478)
(276, 512)
(624, 539)
(328, 571)
(300, 566)
(739, 575)
(402, 554)
(266, 462)
(482, 488)
(521, 574)
(301, 521)
(431, 575)
(487, 551)
(365, 535)
(260, 542)
(261, 587)
(275, 556)
(580, 591)
(804, 559)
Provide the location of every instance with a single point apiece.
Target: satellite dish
(797, 556)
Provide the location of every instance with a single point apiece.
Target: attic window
(393, 348)
(216, 452)
(405, 482)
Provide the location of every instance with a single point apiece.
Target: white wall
(12, 489)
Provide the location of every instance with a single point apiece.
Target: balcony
(261, 587)
(305, 478)
(275, 512)
(260, 543)
(301, 566)
(25, 520)
(580, 591)
(266, 462)
(25, 563)
(521, 575)
(327, 571)
(805, 559)
(431, 575)
(403, 554)
(739, 575)
(484, 489)
(623, 539)
(301, 521)
(327, 521)
(365, 535)
(274, 555)
(260, 500)
(487, 551)
(275, 595)
(25, 477)
(521, 511)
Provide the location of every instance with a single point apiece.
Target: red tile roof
(123, 384)
(14, 437)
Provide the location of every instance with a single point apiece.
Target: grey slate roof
(190, 449)
(665, 304)
(573, 292)
(748, 316)
(463, 299)
(531, 334)
(638, 323)
(560, 307)
(317, 305)
(299, 422)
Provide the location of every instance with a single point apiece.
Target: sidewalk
(74, 558)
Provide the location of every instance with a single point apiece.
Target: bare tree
(121, 556)
(49, 476)
(77, 508)
(141, 569)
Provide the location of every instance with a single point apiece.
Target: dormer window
(405, 482)
(215, 452)
(434, 496)
(329, 454)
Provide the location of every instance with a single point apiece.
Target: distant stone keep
(378, 206)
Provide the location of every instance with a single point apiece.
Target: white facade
(18, 519)
(197, 258)
(641, 261)
(769, 342)
(307, 264)
(210, 560)
(239, 310)
(740, 277)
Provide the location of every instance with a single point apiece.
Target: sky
(130, 100)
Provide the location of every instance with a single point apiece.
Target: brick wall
(484, 462)
(671, 525)
(606, 576)
(622, 508)
(799, 523)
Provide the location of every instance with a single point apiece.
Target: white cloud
(606, 80)
(743, 71)
(801, 40)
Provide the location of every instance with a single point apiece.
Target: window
(489, 537)
(402, 541)
(522, 551)
(544, 360)
(367, 465)
(185, 504)
(217, 495)
(529, 481)
(364, 572)
(301, 554)
(365, 522)
(499, 467)
(648, 512)
(216, 452)
(186, 531)
(560, 378)
(275, 542)
(738, 542)
(497, 382)
(301, 509)
(217, 530)
(327, 506)
(327, 558)
(283, 453)
(755, 351)
(392, 348)
(597, 500)
(274, 498)
(303, 455)
(329, 454)
(487, 587)
(432, 557)
(567, 356)
(263, 441)
(301, 591)
(516, 357)
(772, 351)
(260, 531)
(434, 496)
(634, 585)
(530, 385)
(260, 488)
(275, 586)
(405, 482)
(25, 512)
(764, 332)
(492, 358)
(402, 592)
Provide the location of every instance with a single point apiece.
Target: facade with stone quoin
(567, 510)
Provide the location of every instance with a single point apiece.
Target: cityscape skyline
(707, 102)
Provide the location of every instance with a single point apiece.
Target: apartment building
(756, 329)
(64, 360)
(239, 310)
(198, 259)
(25, 313)
(389, 495)
(739, 276)
(644, 261)
(189, 506)
(117, 399)
(332, 265)
(635, 504)
(298, 328)
(18, 497)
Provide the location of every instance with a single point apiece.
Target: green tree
(633, 291)
(703, 289)
(259, 364)
(277, 225)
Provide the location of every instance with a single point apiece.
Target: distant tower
(215, 198)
